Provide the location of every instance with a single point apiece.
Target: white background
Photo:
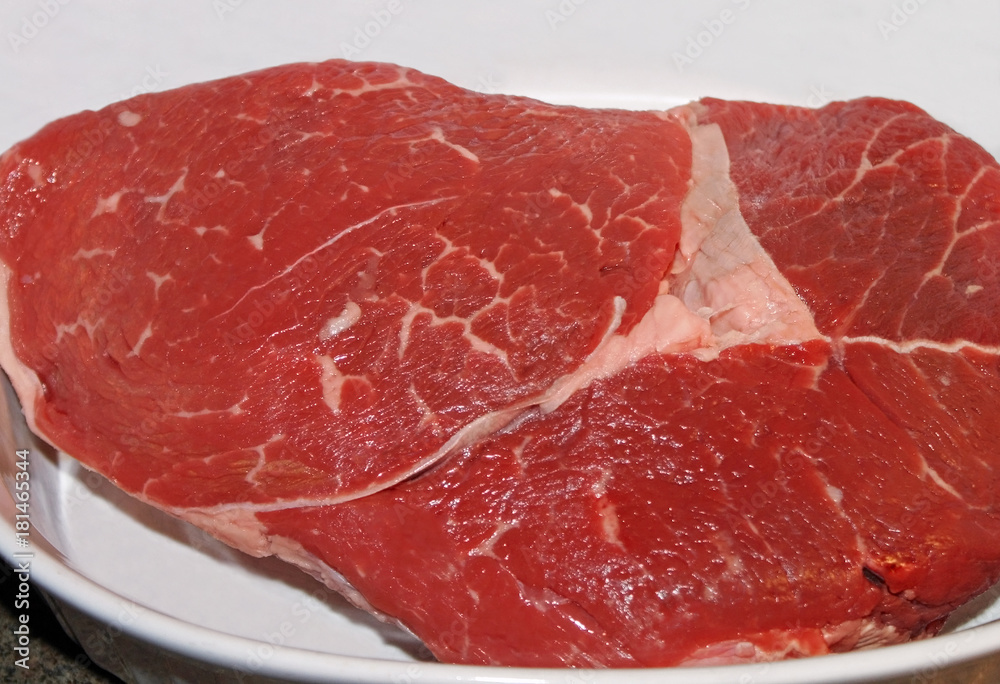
(60, 56)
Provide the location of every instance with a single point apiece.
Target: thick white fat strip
(237, 526)
(857, 634)
(721, 272)
(668, 327)
(723, 289)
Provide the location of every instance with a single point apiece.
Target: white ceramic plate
(172, 604)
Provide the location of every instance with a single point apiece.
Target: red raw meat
(549, 386)
(444, 271)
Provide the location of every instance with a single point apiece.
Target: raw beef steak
(546, 385)
(361, 243)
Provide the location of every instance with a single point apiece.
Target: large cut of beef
(545, 385)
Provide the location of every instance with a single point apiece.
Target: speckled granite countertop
(53, 656)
